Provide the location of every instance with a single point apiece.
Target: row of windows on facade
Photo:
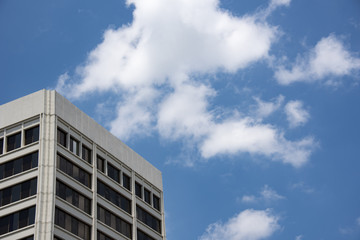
(85, 178)
(140, 236)
(103, 190)
(17, 220)
(18, 165)
(74, 146)
(15, 141)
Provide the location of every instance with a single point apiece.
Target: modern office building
(63, 176)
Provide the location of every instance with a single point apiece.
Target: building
(63, 176)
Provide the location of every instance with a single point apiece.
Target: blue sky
(249, 108)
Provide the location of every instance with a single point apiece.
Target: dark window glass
(31, 135)
(114, 173)
(102, 236)
(127, 182)
(100, 163)
(114, 197)
(74, 146)
(13, 141)
(156, 202)
(72, 196)
(17, 220)
(143, 236)
(18, 165)
(147, 196)
(73, 171)
(61, 137)
(17, 192)
(27, 238)
(1, 145)
(86, 154)
(148, 219)
(72, 224)
(121, 225)
(138, 190)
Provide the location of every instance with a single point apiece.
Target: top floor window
(138, 191)
(126, 182)
(1, 145)
(156, 202)
(147, 195)
(86, 154)
(61, 137)
(13, 141)
(113, 172)
(74, 146)
(31, 135)
(100, 163)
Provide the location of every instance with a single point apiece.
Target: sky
(249, 108)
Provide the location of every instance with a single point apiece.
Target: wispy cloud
(267, 194)
(151, 63)
(296, 114)
(247, 225)
(302, 187)
(329, 58)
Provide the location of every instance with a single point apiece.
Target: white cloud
(264, 109)
(151, 63)
(299, 237)
(247, 225)
(266, 194)
(302, 187)
(280, 2)
(269, 194)
(329, 58)
(295, 113)
(248, 199)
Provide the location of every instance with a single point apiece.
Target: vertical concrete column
(45, 207)
(133, 201)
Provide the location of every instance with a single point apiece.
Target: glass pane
(61, 137)
(13, 141)
(1, 145)
(126, 182)
(32, 135)
(138, 190)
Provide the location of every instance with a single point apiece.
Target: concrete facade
(76, 154)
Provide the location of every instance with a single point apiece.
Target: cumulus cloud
(247, 225)
(296, 114)
(157, 66)
(329, 58)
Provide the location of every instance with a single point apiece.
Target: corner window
(31, 135)
(74, 146)
(86, 154)
(126, 182)
(147, 195)
(100, 163)
(61, 137)
(156, 202)
(13, 141)
(138, 190)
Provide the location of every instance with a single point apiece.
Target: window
(18, 165)
(13, 141)
(86, 154)
(17, 220)
(17, 192)
(1, 145)
(113, 196)
(74, 171)
(31, 135)
(147, 195)
(148, 219)
(72, 224)
(114, 173)
(72, 196)
(61, 137)
(156, 202)
(126, 182)
(74, 146)
(143, 236)
(100, 163)
(102, 236)
(138, 190)
(28, 238)
(121, 225)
